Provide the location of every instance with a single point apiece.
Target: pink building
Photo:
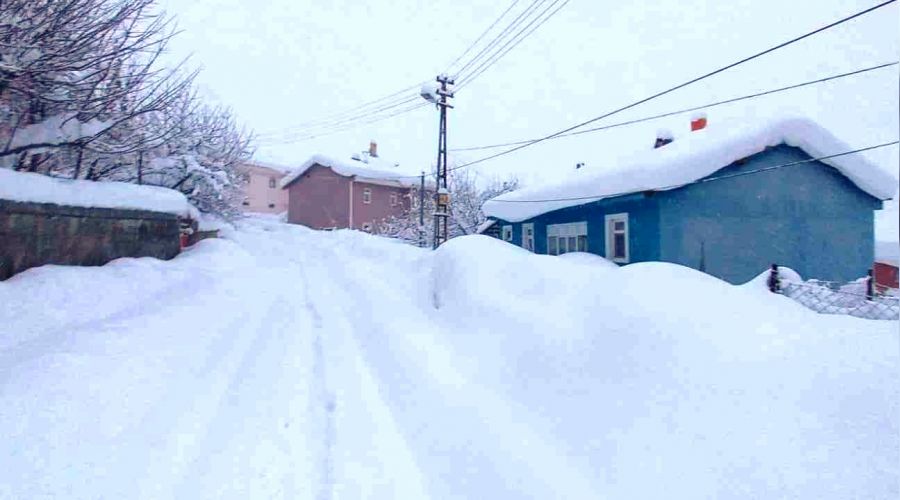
(326, 193)
(263, 193)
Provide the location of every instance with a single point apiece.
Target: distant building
(357, 193)
(263, 193)
(771, 202)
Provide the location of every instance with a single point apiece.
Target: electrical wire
(483, 33)
(687, 110)
(500, 53)
(682, 85)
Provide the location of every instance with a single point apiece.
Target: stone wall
(34, 234)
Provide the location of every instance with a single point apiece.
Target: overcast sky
(282, 63)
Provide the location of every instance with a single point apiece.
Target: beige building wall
(262, 193)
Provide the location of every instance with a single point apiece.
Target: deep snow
(290, 363)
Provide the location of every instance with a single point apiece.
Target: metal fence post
(870, 288)
(773, 282)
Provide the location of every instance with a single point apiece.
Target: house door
(528, 237)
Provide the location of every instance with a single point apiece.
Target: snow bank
(31, 187)
(375, 170)
(588, 258)
(690, 158)
(654, 369)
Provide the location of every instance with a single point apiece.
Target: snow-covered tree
(468, 192)
(82, 95)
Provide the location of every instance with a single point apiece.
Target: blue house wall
(806, 216)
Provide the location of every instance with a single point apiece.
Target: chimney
(698, 122)
(373, 149)
(663, 137)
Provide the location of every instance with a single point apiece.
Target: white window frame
(609, 233)
(528, 241)
(367, 195)
(394, 199)
(564, 232)
(507, 233)
(273, 183)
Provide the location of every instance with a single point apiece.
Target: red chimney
(373, 149)
(698, 122)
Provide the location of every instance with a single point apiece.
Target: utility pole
(442, 194)
(422, 210)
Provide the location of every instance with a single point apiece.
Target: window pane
(619, 225)
(582, 243)
(571, 246)
(551, 246)
(619, 246)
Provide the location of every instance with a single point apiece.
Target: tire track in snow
(323, 403)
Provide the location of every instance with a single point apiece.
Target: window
(507, 233)
(367, 227)
(271, 205)
(393, 199)
(272, 182)
(566, 238)
(528, 237)
(617, 238)
(367, 195)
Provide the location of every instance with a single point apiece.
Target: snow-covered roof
(37, 188)
(484, 226)
(887, 252)
(271, 166)
(374, 169)
(688, 159)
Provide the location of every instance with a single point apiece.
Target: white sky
(280, 63)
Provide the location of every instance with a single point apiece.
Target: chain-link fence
(859, 298)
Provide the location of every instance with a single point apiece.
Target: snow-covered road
(287, 363)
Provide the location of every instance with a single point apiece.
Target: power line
(499, 38)
(682, 85)
(693, 108)
(342, 115)
(483, 33)
(496, 58)
(709, 179)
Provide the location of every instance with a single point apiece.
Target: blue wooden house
(725, 201)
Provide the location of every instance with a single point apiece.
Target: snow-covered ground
(282, 362)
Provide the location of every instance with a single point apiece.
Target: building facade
(777, 205)
(326, 193)
(263, 193)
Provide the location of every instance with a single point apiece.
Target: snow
(57, 129)
(887, 252)
(589, 259)
(484, 226)
(688, 159)
(32, 187)
(284, 362)
(374, 169)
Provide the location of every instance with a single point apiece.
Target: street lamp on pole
(438, 94)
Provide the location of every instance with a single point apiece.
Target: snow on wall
(351, 168)
(36, 188)
(688, 159)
